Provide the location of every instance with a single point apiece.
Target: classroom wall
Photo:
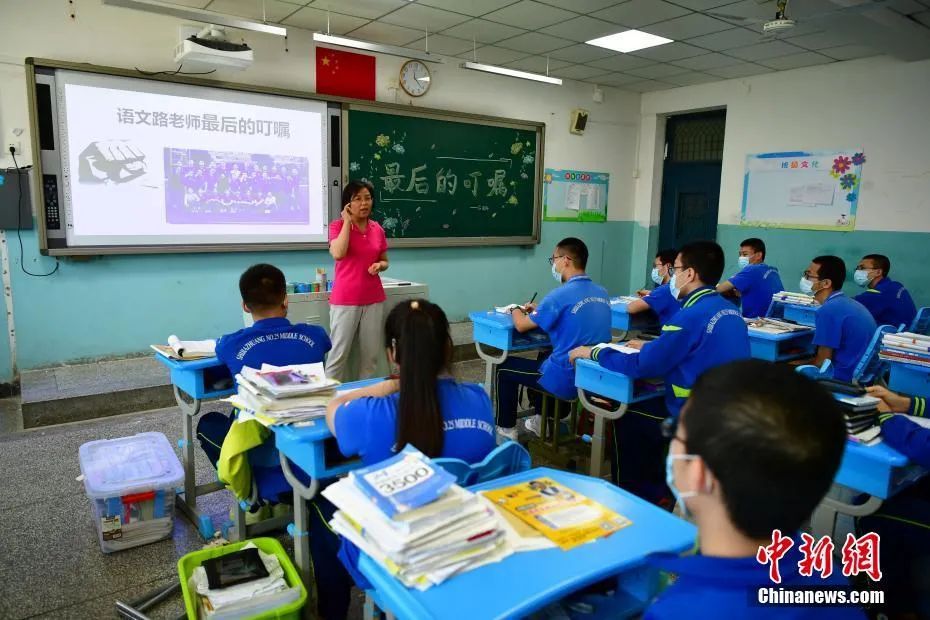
(879, 104)
(118, 305)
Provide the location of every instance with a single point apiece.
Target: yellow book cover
(563, 516)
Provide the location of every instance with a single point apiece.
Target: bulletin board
(575, 195)
(816, 190)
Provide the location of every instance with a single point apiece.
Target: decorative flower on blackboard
(399, 149)
(383, 140)
(512, 200)
(516, 147)
(851, 197)
(848, 181)
(841, 164)
(527, 159)
(858, 159)
(354, 166)
(377, 155)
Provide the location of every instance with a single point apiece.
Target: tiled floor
(52, 566)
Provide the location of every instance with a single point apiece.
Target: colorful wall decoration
(575, 195)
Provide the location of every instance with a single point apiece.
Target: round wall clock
(414, 78)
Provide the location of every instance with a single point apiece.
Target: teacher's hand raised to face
(359, 246)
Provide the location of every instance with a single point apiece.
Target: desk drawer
(866, 475)
(203, 383)
(802, 315)
(780, 350)
(909, 379)
(597, 380)
(493, 336)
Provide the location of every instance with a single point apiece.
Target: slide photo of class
(220, 187)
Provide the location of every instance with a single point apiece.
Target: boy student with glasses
(843, 327)
(755, 450)
(659, 299)
(707, 332)
(576, 313)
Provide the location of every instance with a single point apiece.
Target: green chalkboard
(441, 179)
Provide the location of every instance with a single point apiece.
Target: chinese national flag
(345, 74)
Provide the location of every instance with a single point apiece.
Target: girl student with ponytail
(424, 406)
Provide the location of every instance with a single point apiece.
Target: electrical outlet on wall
(15, 144)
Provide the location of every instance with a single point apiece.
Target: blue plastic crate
(909, 379)
(802, 315)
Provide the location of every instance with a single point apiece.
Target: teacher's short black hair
(353, 187)
(262, 287)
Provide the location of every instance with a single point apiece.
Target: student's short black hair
(832, 268)
(667, 257)
(706, 258)
(755, 244)
(881, 262)
(771, 437)
(262, 287)
(355, 186)
(576, 249)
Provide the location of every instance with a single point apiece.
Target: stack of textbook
(283, 394)
(798, 299)
(906, 347)
(409, 516)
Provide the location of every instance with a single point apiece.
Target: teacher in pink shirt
(357, 302)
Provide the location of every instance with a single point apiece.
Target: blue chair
(824, 371)
(506, 459)
(871, 367)
(921, 322)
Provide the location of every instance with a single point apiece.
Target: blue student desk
(780, 347)
(623, 321)
(194, 382)
(796, 313)
(305, 445)
(526, 582)
(592, 377)
(493, 329)
(910, 379)
(878, 471)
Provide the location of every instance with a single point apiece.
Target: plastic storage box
(131, 484)
(289, 611)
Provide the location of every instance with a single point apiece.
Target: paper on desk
(506, 309)
(191, 347)
(616, 347)
(623, 299)
(519, 535)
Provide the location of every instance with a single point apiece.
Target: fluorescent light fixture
(198, 15)
(391, 50)
(629, 41)
(526, 75)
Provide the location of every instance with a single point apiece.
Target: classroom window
(696, 138)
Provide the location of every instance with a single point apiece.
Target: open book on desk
(178, 349)
(775, 326)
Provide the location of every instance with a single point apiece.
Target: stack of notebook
(799, 299)
(283, 394)
(861, 414)
(409, 516)
(906, 347)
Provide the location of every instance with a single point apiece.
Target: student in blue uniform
(888, 301)
(425, 406)
(707, 332)
(756, 282)
(576, 313)
(903, 521)
(272, 339)
(843, 327)
(659, 299)
(755, 449)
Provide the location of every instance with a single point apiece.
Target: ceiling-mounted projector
(209, 49)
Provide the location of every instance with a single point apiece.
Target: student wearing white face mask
(755, 449)
(756, 282)
(843, 327)
(887, 300)
(659, 300)
(576, 312)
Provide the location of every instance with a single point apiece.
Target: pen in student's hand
(529, 302)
